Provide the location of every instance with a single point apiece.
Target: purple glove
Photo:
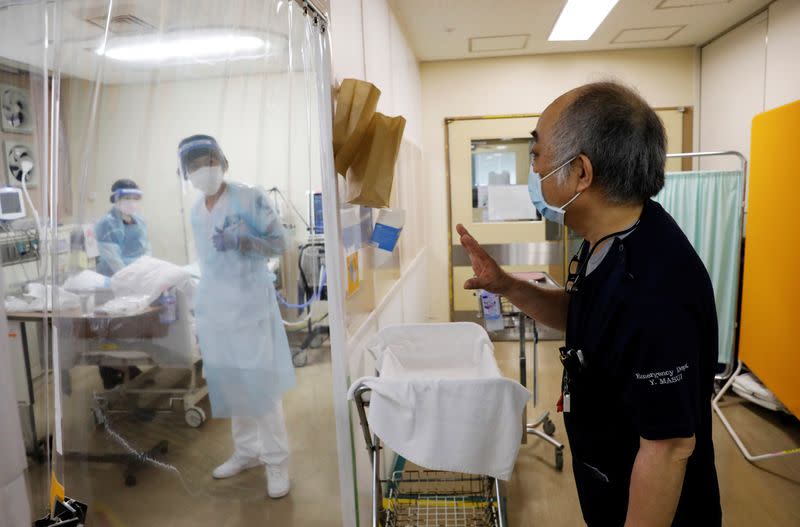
(225, 240)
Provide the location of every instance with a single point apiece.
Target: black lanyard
(573, 277)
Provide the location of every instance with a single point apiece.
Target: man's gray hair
(621, 135)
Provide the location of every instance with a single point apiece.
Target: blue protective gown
(119, 243)
(246, 356)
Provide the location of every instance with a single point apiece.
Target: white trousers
(263, 438)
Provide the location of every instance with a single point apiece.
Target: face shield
(202, 163)
(126, 193)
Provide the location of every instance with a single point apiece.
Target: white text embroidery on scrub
(657, 378)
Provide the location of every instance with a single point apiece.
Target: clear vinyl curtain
(188, 140)
(24, 363)
(707, 206)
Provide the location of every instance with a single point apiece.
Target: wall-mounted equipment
(20, 163)
(18, 246)
(15, 110)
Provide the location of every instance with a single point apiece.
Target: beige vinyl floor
(181, 493)
(766, 495)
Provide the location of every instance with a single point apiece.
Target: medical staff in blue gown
(122, 233)
(246, 355)
(121, 238)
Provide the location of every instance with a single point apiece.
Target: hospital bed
(138, 339)
(413, 362)
(145, 341)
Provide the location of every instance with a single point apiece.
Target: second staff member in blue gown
(121, 233)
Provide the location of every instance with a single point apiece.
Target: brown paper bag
(369, 182)
(355, 106)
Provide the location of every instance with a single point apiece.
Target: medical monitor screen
(10, 203)
(318, 224)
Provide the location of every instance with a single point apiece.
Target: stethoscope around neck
(579, 265)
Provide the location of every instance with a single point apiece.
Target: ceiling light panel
(184, 47)
(580, 19)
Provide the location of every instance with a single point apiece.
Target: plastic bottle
(492, 316)
(169, 312)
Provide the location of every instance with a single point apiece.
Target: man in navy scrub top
(638, 310)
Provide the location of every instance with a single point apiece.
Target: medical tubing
(34, 210)
(300, 322)
(144, 457)
(288, 304)
(43, 253)
(314, 297)
(277, 191)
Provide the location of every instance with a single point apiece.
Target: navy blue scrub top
(646, 322)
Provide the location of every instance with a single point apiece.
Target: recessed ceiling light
(184, 47)
(580, 19)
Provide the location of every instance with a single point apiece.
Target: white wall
(782, 81)
(751, 69)
(368, 44)
(732, 90)
(665, 77)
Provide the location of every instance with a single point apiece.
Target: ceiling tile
(673, 4)
(646, 34)
(498, 43)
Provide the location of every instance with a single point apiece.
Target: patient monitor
(11, 205)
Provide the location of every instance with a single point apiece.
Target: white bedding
(441, 402)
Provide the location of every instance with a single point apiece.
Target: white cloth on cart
(441, 402)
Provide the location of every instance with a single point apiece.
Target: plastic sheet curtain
(187, 150)
(24, 377)
(707, 206)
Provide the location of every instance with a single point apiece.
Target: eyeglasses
(574, 270)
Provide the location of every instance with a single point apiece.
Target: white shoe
(235, 465)
(278, 480)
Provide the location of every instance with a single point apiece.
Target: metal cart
(512, 316)
(428, 498)
(311, 263)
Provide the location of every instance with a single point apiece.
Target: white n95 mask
(128, 206)
(207, 179)
(550, 212)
